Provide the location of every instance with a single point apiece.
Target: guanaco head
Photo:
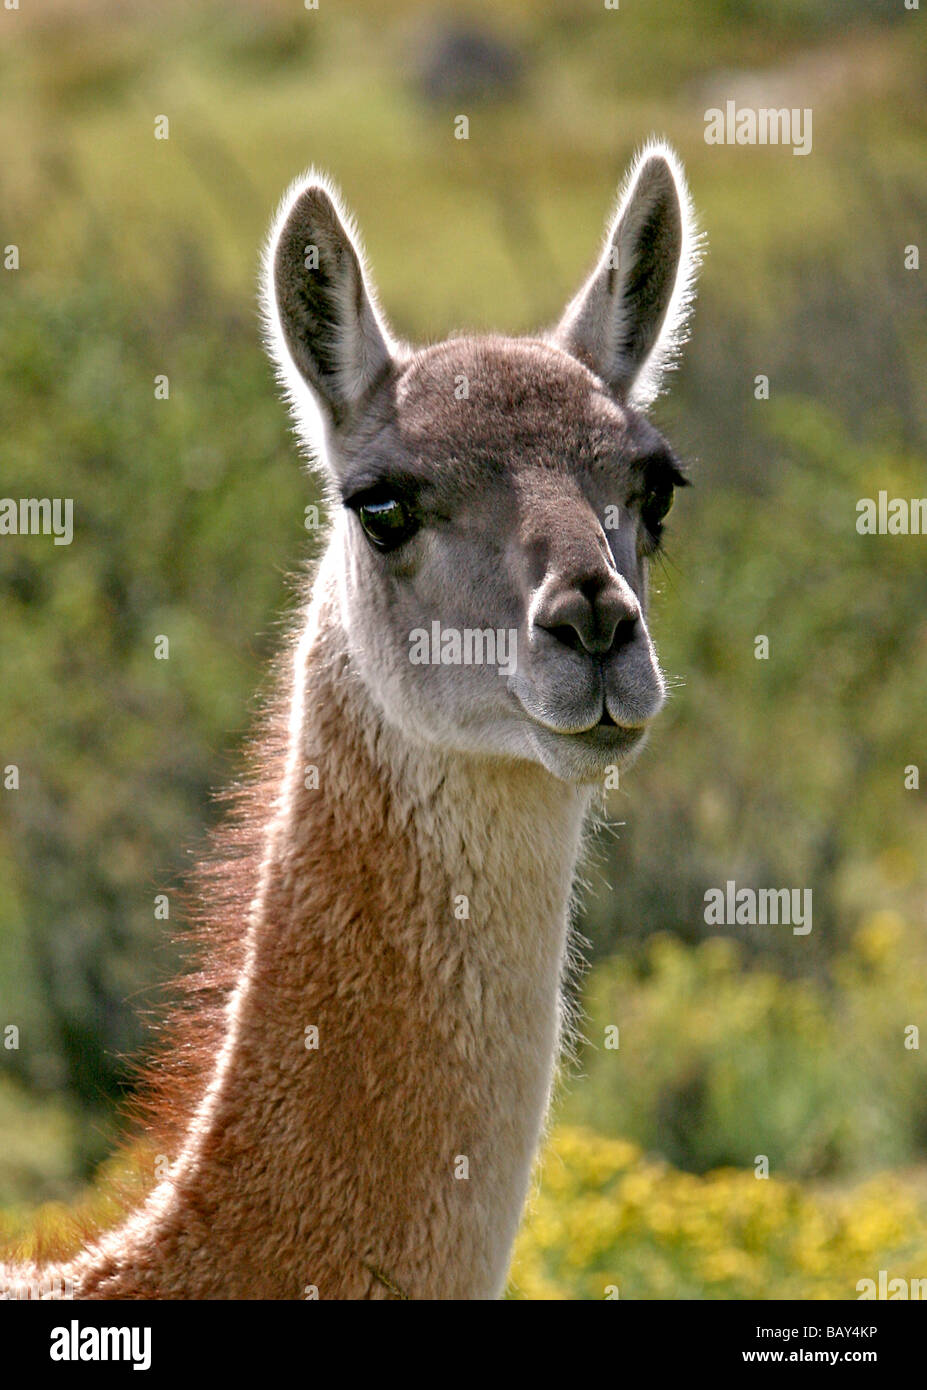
(496, 501)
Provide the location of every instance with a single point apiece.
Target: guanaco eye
(655, 508)
(387, 522)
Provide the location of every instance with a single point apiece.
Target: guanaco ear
(323, 325)
(629, 319)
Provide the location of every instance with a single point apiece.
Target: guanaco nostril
(625, 632)
(568, 635)
(592, 628)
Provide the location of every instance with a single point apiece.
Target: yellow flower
(613, 1218)
(878, 937)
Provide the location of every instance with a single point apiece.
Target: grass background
(138, 257)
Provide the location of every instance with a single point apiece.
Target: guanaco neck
(412, 908)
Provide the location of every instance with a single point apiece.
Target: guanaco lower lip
(613, 735)
(602, 733)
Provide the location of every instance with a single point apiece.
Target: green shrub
(718, 1064)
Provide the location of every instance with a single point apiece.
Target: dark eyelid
(362, 493)
(662, 467)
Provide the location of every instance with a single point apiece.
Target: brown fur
(318, 1168)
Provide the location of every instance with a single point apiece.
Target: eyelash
(651, 544)
(652, 532)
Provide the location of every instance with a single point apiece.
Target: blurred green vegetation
(138, 258)
(715, 1065)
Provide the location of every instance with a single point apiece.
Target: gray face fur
(497, 485)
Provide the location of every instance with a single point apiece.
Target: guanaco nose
(595, 610)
